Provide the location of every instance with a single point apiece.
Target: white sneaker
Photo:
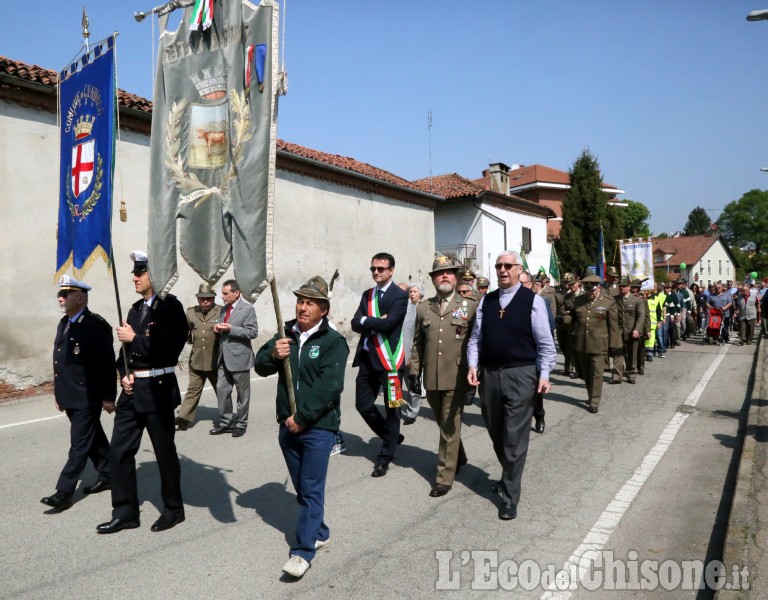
(338, 449)
(322, 543)
(296, 566)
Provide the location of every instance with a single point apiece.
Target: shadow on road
(201, 485)
(276, 504)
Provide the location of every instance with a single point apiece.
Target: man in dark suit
(85, 382)
(236, 327)
(380, 357)
(153, 336)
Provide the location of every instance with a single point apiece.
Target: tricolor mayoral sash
(392, 360)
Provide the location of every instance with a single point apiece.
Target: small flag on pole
(554, 271)
(202, 15)
(601, 257)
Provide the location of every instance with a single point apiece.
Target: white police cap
(70, 283)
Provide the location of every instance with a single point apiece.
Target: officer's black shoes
(165, 522)
(99, 486)
(118, 524)
(439, 490)
(539, 426)
(59, 500)
(380, 470)
(507, 512)
(218, 430)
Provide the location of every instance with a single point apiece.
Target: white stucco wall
(462, 223)
(319, 226)
(714, 266)
(540, 248)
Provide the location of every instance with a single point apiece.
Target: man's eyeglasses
(379, 269)
(507, 266)
(465, 292)
(65, 293)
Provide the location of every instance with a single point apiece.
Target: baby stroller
(715, 327)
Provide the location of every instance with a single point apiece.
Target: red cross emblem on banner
(82, 167)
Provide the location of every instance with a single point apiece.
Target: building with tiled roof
(475, 223)
(538, 183)
(707, 258)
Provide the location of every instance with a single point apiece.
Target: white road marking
(32, 421)
(605, 525)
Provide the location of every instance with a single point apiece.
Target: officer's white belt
(153, 372)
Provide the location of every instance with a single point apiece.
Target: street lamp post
(758, 15)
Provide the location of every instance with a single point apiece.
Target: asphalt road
(646, 479)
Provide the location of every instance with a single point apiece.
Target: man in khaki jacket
(632, 325)
(205, 349)
(443, 325)
(596, 336)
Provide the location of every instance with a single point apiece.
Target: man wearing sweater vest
(510, 355)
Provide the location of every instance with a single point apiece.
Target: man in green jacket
(318, 358)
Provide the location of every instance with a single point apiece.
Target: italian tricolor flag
(202, 15)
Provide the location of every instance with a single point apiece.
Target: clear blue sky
(670, 96)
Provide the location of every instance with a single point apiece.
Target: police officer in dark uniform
(153, 337)
(85, 382)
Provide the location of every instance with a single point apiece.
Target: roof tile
(684, 249)
(36, 74)
(451, 185)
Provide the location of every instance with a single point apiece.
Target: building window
(709, 267)
(701, 266)
(526, 239)
(727, 267)
(719, 267)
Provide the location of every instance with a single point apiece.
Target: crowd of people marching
(444, 347)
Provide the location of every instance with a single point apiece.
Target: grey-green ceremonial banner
(213, 147)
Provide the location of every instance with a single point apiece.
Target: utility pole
(429, 134)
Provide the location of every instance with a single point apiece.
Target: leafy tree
(661, 236)
(584, 211)
(698, 222)
(745, 221)
(635, 219)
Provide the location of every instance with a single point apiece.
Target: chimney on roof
(499, 174)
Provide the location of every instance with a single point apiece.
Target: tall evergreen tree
(698, 222)
(584, 211)
(635, 217)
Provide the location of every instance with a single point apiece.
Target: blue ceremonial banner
(88, 115)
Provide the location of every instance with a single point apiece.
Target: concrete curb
(745, 542)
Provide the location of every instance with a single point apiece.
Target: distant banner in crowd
(87, 108)
(213, 147)
(637, 260)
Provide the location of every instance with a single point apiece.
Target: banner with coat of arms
(637, 260)
(87, 110)
(213, 146)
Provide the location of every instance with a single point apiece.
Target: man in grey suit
(237, 327)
